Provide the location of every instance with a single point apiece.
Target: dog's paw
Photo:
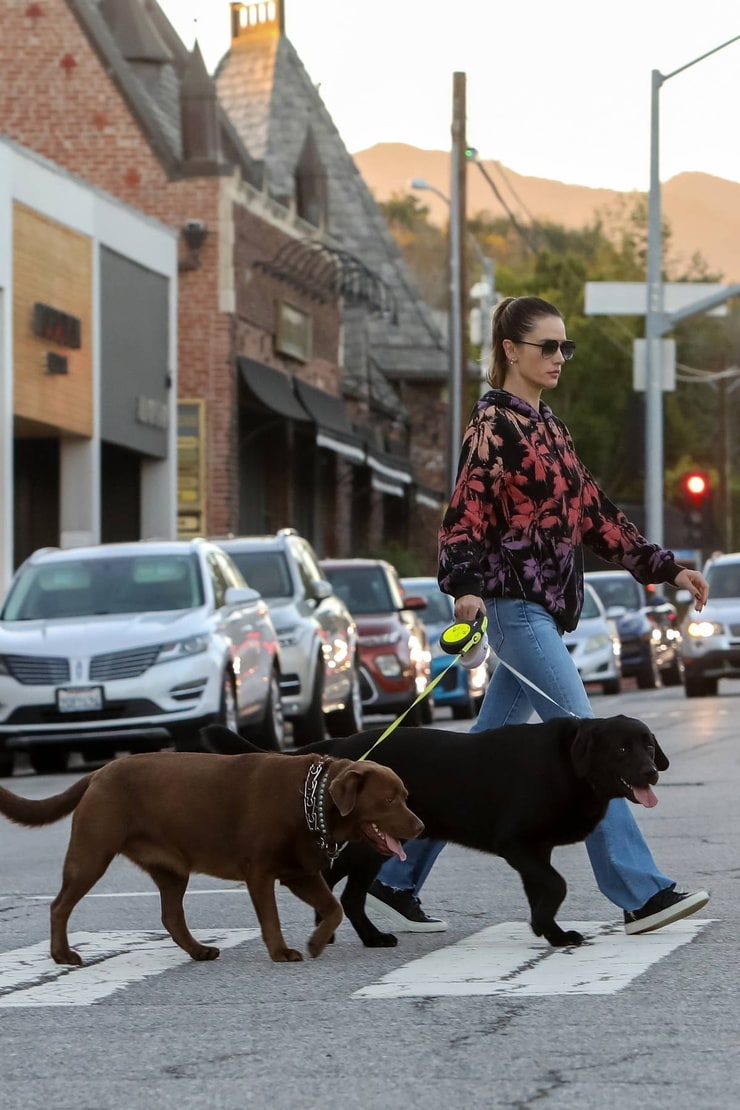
(287, 956)
(205, 952)
(381, 940)
(561, 938)
(67, 956)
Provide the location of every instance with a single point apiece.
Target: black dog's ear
(580, 751)
(661, 759)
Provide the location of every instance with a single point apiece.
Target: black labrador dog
(517, 792)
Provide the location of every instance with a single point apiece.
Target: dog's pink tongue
(395, 846)
(645, 796)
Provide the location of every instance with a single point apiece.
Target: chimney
(250, 21)
(201, 145)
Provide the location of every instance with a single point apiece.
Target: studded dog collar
(314, 807)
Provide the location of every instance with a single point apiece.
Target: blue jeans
(526, 636)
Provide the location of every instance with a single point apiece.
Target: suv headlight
(701, 630)
(181, 649)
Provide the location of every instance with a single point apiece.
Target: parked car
(595, 645)
(395, 658)
(133, 646)
(648, 628)
(320, 682)
(711, 639)
(462, 689)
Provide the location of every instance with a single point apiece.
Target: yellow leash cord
(475, 636)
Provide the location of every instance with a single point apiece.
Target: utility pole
(458, 296)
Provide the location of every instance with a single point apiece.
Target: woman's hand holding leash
(697, 585)
(469, 607)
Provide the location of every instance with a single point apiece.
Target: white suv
(133, 646)
(711, 639)
(318, 635)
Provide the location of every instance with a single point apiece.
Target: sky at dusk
(554, 90)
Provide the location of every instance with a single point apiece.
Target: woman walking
(511, 547)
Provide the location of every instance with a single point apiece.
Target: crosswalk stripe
(113, 961)
(509, 959)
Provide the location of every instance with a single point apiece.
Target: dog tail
(34, 812)
(222, 741)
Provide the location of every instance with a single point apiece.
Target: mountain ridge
(702, 211)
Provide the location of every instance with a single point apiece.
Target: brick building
(303, 348)
(88, 363)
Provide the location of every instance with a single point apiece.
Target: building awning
(333, 430)
(429, 498)
(382, 485)
(390, 468)
(273, 389)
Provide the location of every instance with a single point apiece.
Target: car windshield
(362, 589)
(590, 606)
(265, 571)
(440, 607)
(724, 580)
(105, 584)
(617, 591)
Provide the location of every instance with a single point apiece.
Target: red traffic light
(696, 485)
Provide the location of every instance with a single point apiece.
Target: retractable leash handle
(467, 639)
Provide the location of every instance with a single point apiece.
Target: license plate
(80, 700)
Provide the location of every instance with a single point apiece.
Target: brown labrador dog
(253, 818)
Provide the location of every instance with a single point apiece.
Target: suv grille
(122, 664)
(38, 670)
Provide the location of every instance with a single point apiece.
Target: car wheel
(648, 673)
(613, 686)
(426, 710)
(229, 713)
(311, 725)
(271, 734)
(674, 675)
(345, 722)
(700, 687)
(463, 712)
(7, 762)
(48, 761)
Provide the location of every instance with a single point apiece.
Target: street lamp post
(655, 321)
(488, 297)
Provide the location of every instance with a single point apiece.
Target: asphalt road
(482, 1016)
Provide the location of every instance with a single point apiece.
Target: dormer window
(310, 184)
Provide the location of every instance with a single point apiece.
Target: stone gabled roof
(272, 102)
(126, 33)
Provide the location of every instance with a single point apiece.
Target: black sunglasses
(550, 346)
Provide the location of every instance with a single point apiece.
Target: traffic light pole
(655, 322)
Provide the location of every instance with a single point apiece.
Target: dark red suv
(395, 657)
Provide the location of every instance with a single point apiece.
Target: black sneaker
(402, 909)
(663, 908)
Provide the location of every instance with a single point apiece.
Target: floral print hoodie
(522, 507)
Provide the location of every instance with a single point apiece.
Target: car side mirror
(321, 589)
(616, 611)
(414, 603)
(241, 595)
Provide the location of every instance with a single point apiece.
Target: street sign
(639, 362)
(629, 298)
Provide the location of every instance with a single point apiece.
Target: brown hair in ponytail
(513, 318)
